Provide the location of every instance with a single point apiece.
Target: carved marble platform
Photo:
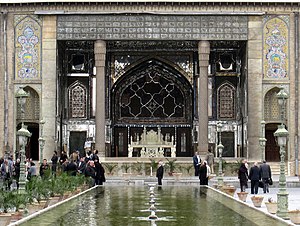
(152, 144)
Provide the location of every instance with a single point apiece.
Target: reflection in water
(129, 205)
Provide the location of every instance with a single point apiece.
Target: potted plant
(171, 165)
(110, 167)
(138, 167)
(294, 216)
(126, 167)
(188, 168)
(242, 195)
(228, 189)
(153, 166)
(257, 200)
(271, 206)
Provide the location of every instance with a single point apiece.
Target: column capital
(100, 51)
(203, 47)
(100, 46)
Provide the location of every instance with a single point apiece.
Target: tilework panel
(151, 27)
(276, 44)
(28, 47)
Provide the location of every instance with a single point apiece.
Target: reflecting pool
(169, 205)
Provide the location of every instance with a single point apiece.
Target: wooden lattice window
(226, 101)
(77, 100)
(271, 107)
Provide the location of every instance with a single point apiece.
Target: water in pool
(138, 205)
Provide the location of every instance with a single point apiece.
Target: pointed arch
(226, 95)
(152, 91)
(77, 96)
(32, 107)
(271, 107)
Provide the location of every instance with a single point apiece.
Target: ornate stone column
(48, 86)
(100, 51)
(255, 97)
(203, 51)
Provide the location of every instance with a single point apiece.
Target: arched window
(31, 107)
(226, 101)
(77, 95)
(271, 107)
(152, 92)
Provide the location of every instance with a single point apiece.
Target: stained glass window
(77, 100)
(226, 101)
(152, 96)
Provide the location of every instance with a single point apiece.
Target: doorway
(272, 150)
(76, 143)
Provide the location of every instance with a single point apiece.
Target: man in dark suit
(266, 176)
(196, 162)
(254, 176)
(81, 165)
(160, 172)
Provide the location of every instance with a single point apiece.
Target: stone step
(275, 168)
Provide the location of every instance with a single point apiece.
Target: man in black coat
(90, 171)
(203, 174)
(160, 172)
(254, 176)
(266, 175)
(100, 178)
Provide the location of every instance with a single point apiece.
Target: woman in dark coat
(243, 177)
(203, 174)
(100, 177)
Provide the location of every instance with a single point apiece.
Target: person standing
(6, 172)
(266, 175)
(203, 174)
(90, 171)
(43, 168)
(17, 172)
(54, 161)
(81, 165)
(210, 158)
(63, 158)
(254, 176)
(243, 176)
(196, 162)
(100, 178)
(31, 171)
(160, 173)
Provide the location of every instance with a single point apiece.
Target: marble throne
(152, 144)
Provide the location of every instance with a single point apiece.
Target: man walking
(254, 176)
(266, 176)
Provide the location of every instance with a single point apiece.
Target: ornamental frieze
(151, 27)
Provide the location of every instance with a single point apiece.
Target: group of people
(257, 174)
(88, 165)
(9, 170)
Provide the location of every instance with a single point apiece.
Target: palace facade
(150, 78)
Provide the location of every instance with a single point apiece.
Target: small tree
(110, 167)
(171, 165)
(138, 167)
(126, 167)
